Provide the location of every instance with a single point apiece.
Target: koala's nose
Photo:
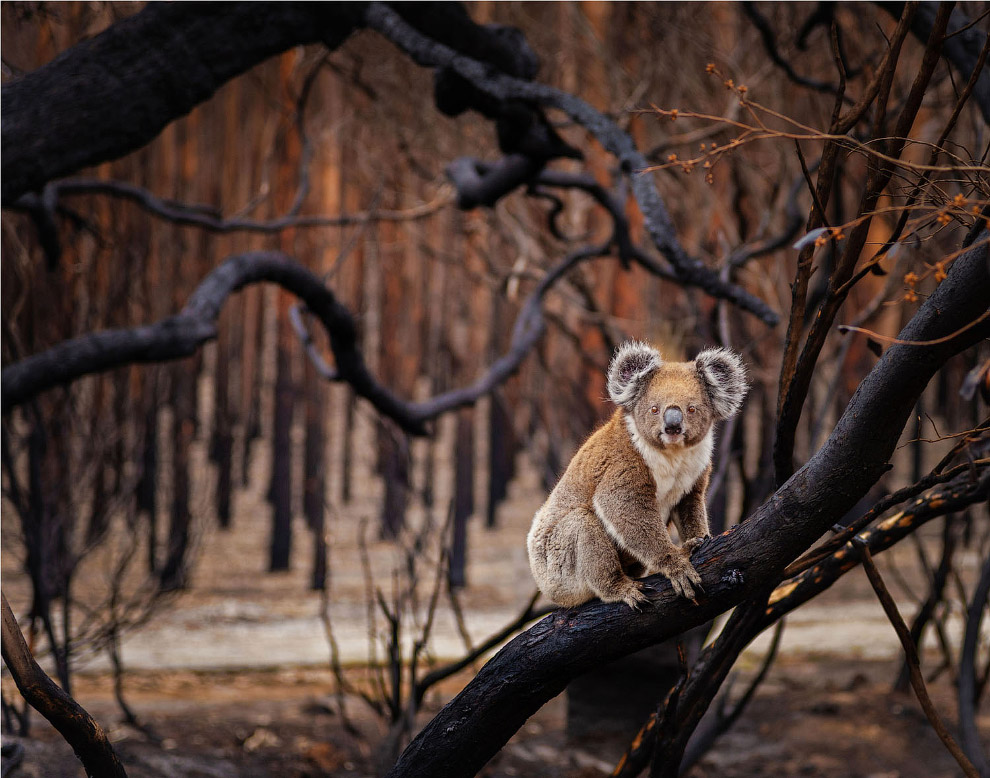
(672, 420)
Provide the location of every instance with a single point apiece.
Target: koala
(605, 522)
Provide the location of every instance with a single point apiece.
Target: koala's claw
(634, 596)
(692, 545)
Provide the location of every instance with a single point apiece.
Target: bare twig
(206, 217)
(882, 506)
(917, 680)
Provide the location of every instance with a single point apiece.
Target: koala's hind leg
(599, 567)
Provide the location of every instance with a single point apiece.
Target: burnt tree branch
(87, 738)
(206, 217)
(152, 67)
(500, 86)
(182, 334)
(537, 665)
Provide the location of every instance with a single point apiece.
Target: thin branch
(529, 613)
(703, 738)
(911, 652)
(769, 41)
(797, 590)
(87, 738)
(882, 506)
(206, 217)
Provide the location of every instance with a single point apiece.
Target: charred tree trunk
(222, 442)
(347, 457)
(280, 547)
(251, 361)
(463, 496)
(501, 455)
(147, 487)
(314, 470)
(174, 569)
(393, 463)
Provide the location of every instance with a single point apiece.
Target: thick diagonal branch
(538, 664)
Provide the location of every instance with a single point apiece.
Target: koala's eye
(654, 409)
(692, 409)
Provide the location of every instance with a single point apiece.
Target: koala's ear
(724, 376)
(632, 364)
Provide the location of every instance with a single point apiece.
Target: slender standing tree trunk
(393, 462)
(501, 454)
(222, 443)
(253, 341)
(147, 491)
(280, 548)
(463, 495)
(314, 470)
(174, 570)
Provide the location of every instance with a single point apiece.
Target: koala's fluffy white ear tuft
(632, 364)
(724, 376)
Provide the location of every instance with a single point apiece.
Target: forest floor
(233, 677)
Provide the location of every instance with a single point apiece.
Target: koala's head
(675, 403)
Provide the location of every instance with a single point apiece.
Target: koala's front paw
(682, 575)
(693, 544)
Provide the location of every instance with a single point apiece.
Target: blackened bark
(222, 442)
(253, 349)
(393, 463)
(147, 488)
(314, 474)
(80, 730)
(151, 68)
(347, 456)
(501, 455)
(280, 548)
(463, 497)
(175, 567)
(538, 664)
(968, 694)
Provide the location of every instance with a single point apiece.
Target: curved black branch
(948, 498)
(152, 67)
(538, 664)
(769, 40)
(484, 184)
(499, 86)
(181, 335)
